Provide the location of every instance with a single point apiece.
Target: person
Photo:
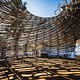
(36, 53)
(3, 51)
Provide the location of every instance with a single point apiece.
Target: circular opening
(44, 8)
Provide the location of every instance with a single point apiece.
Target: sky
(43, 8)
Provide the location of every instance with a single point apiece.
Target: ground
(39, 69)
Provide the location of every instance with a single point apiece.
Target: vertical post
(57, 38)
(16, 50)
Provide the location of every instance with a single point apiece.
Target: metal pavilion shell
(19, 28)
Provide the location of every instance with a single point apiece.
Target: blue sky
(43, 8)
